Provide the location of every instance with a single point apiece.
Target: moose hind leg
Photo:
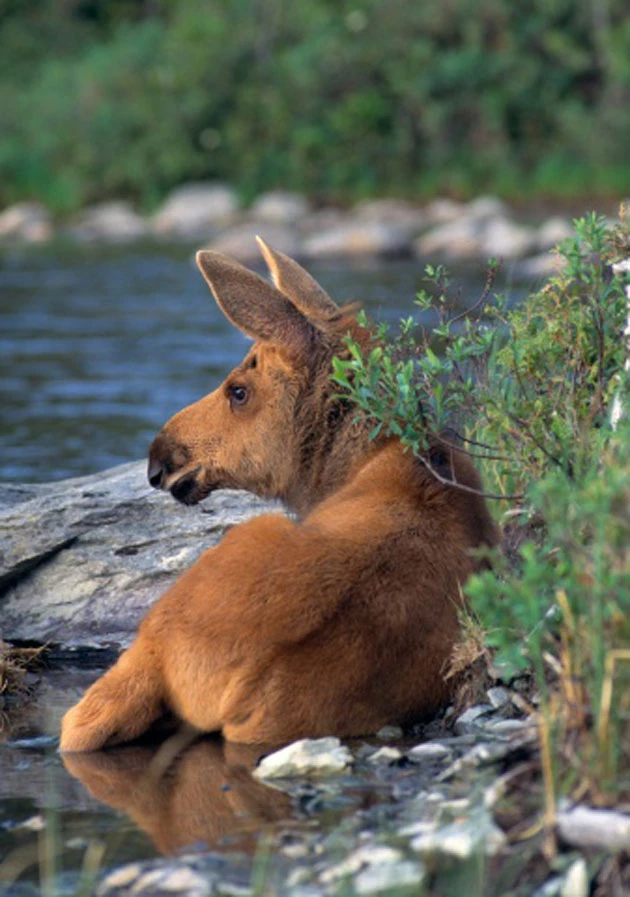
(119, 707)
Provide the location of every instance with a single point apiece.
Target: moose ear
(297, 284)
(251, 303)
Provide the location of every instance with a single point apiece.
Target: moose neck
(334, 445)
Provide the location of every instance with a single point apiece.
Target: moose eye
(238, 395)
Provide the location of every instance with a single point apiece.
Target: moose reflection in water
(181, 798)
(339, 621)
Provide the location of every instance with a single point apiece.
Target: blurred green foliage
(339, 99)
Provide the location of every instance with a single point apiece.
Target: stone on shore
(359, 238)
(307, 757)
(110, 222)
(26, 222)
(239, 242)
(280, 207)
(83, 559)
(196, 210)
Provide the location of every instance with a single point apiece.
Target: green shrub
(528, 391)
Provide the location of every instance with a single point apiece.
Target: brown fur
(336, 622)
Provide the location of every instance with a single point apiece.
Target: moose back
(337, 620)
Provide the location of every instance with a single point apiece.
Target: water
(143, 801)
(100, 346)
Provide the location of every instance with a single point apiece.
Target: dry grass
(14, 663)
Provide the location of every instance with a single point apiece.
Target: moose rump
(337, 621)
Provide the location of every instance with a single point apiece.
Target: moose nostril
(154, 474)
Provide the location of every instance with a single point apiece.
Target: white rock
(387, 878)
(576, 881)
(486, 207)
(504, 239)
(239, 242)
(553, 231)
(195, 210)
(473, 718)
(115, 222)
(358, 238)
(385, 755)
(320, 756)
(460, 238)
(27, 222)
(509, 726)
(280, 207)
(601, 829)
(428, 752)
(462, 839)
(441, 211)
(391, 211)
(120, 878)
(368, 855)
(541, 266)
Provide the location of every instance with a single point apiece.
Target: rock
(458, 239)
(576, 880)
(319, 756)
(175, 878)
(508, 727)
(390, 733)
(26, 222)
(540, 267)
(504, 239)
(441, 211)
(239, 242)
(388, 878)
(473, 719)
(386, 755)
(196, 210)
(462, 839)
(280, 207)
(554, 231)
(359, 238)
(113, 222)
(499, 696)
(368, 855)
(81, 560)
(429, 752)
(486, 207)
(323, 219)
(584, 827)
(391, 211)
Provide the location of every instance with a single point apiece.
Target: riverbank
(211, 215)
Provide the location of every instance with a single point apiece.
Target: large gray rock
(81, 560)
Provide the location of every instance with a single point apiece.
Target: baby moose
(336, 622)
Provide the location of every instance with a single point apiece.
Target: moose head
(273, 427)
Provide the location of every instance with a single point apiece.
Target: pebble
(428, 752)
(390, 733)
(576, 882)
(387, 878)
(499, 696)
(473, 718)
(120, 878)
(385, 755)
(462, 839)
(369, 855)
(319, 756)
(584, 827)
